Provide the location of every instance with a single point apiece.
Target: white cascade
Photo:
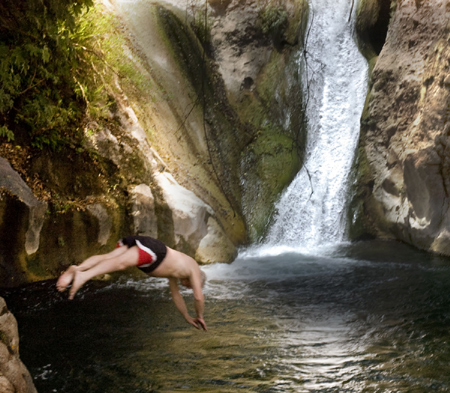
(312, 209)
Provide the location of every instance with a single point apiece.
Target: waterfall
(312, 209)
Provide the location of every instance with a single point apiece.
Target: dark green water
(368, 317)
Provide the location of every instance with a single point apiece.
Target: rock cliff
(14, 376)
(195, 160)
(403, 161)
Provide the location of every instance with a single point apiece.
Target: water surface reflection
(369, 317)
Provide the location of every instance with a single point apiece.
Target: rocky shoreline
(14, 376)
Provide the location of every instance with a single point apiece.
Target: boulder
(189, 213)
(143, 211)
(14, 376)
(13, 184)
(215, 246)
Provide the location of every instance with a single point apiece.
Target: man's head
(186, 282)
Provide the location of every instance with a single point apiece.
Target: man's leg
(67, 277)
(118, 262)
(95, 259)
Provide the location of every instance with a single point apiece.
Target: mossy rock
(270, 164)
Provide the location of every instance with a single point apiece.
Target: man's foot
(66, 278)
(78, 281)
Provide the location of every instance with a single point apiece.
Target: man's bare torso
(176, 265)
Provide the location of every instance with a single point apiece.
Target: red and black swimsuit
(151, 251)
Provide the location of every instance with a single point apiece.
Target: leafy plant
(6, 133)
(272, 18)
(40, 59)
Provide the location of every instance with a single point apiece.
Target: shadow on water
(370, 316)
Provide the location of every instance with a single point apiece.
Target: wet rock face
(404, 156)
(255, 46)
(240, 48)
(14, 376)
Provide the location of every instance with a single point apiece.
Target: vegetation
(59, 67)
(41, 82)
(273, 19)
(57, 61)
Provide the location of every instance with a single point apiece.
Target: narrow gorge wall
(403, 162)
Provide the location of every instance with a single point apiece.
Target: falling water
(311, 211)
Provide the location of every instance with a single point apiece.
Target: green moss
(283, 26)
(4, 338)
(275, 155)
(298, 22)
(270, 78)
(115, 47)
(260, 108)
(36, 269)
(273, 19)
(270, 163)
(278, 161)
(185, 49)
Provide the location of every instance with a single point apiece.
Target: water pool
(371, 316)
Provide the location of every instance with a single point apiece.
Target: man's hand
(201, 323)
(198, 323)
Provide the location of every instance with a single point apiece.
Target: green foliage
(4, 338)
(272, 18)
(5, 132)
(119, 60)
(40, 61)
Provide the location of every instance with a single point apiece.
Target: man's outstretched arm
(196, 284)
(181, 305)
